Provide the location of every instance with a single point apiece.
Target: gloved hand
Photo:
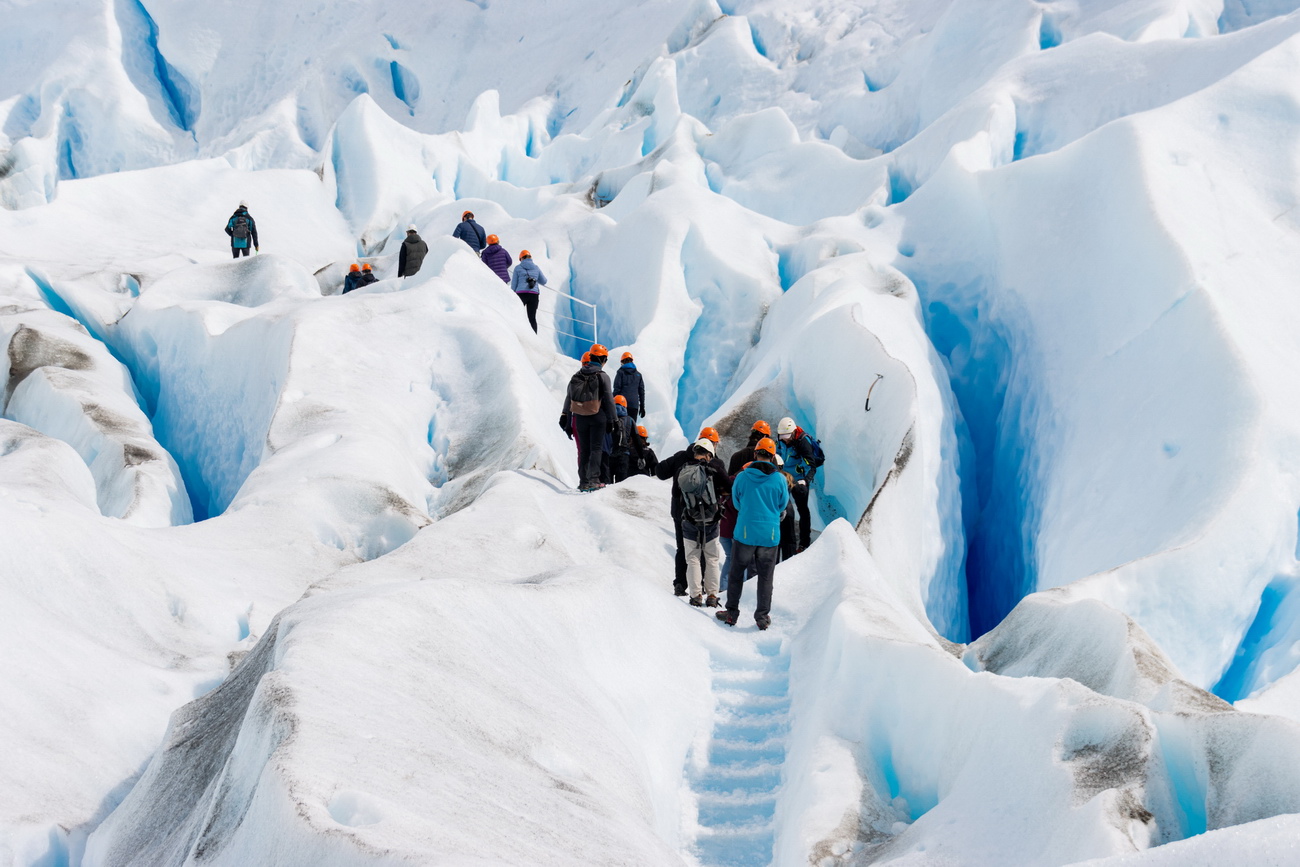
(803, 483)
(642, 411)
(564, 426)
(609, 427)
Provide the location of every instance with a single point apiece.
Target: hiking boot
(711, 602)
(763, 622)
(697, 601)
(679, 591)
(726, 617)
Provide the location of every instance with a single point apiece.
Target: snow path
(737, 790)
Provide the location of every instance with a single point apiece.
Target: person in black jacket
(353, 280)
(367, 276)
(643, 461)
(629, 383)
(242, 229)
(700, 531)
(667, 469)
(589, 419)
(412, 252)
(471, 233)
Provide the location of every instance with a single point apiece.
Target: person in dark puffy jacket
(412, 252)
(644, 461)
(498, 259)
(367, 276)
(526, 283)
(624, 433)
(668, 469)
(471, 233)
(591, 422)
(629, 383)
(242, 229)
(353, 280)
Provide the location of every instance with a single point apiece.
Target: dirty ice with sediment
(296, 578)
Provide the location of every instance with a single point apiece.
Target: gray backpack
(700, 498)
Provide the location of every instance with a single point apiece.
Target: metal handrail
(595, 331)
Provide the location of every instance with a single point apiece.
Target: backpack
(700, 498)
(819, 456)
(241, 226)
(584, 392)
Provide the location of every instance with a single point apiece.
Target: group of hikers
(745, 510)
(525, 281)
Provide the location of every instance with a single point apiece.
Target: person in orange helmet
(497, 258)
(620, 459)
(589, 407)
(761, 495)
(471, 233)
(629, 383)
(644, 459)
(737, 463)
(367, 275)
(526, 283)
(353, 280)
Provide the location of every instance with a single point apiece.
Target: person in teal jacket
(760, 495)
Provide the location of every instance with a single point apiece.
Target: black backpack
(584, 392)
(698, 494)
(241, 226)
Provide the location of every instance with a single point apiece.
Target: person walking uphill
(471, 233)
(242, 229)
(412, 252)
(353, 280)
(629, 383)
(704, 485)
(496, 258)
(525, 282)
(668, 469)
(802, 455)
(589, 405)
(760, 495)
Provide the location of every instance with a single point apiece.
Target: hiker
(524, 282)
(589, 407)
(367, 276)
(353, 280)
(624, 431)
(789, 533)
(498, 259)
(737, 463)
(471, 233)
(667, 469)
(643, 458)
(802, 455)
(242, 228)
(703, 483)
(410, 256)
(760, 494)
(629, 383)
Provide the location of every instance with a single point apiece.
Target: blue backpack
(819, 456)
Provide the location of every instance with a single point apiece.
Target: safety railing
(571, 321)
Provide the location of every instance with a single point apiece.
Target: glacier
(293, 577)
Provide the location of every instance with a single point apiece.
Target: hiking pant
(620, 465)
(703, 552)
(799, 493)
(530, 300)
(236, 252)
(590, 430)
(679, 574)
(763, 561)
(788, 533)
(606, 467)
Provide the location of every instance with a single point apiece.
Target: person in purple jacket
(496, 258)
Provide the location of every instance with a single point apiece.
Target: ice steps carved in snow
(737, 791)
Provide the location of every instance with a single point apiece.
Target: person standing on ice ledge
(496, 258)
(589, 403)
(703, 483)
(367, 276)
(353, 280)
(242, 230)
(629, 383)
(624, 431)
(526, 283)
(471, 233)
(412, 252)
(802, 455)
(760, 494)
(644, 461)
(667, 469)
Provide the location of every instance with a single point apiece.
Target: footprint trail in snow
(737, 790)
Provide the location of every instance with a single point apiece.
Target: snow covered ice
(292, 577)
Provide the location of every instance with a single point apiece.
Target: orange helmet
(493, 239)
(355, 267)
(466, 215)
(627, 356)
(365, 267)
(762, 427)
(709, 434)
(597, 349)
(620, 400)
(641, 431)
(586, 356)
(765, 445)
(524, 254)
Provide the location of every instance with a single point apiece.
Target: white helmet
(411, 228)
(243, 204)
(705, 444)
(786, 426)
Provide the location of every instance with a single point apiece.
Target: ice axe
(879, 376)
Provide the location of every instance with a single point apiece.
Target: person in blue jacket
(760, 495)
(629, 383)
(471, 233)
(353, 280)
(526, 282)
(796, 450)
(242, 230)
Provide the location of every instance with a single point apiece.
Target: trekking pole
(879, 376)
